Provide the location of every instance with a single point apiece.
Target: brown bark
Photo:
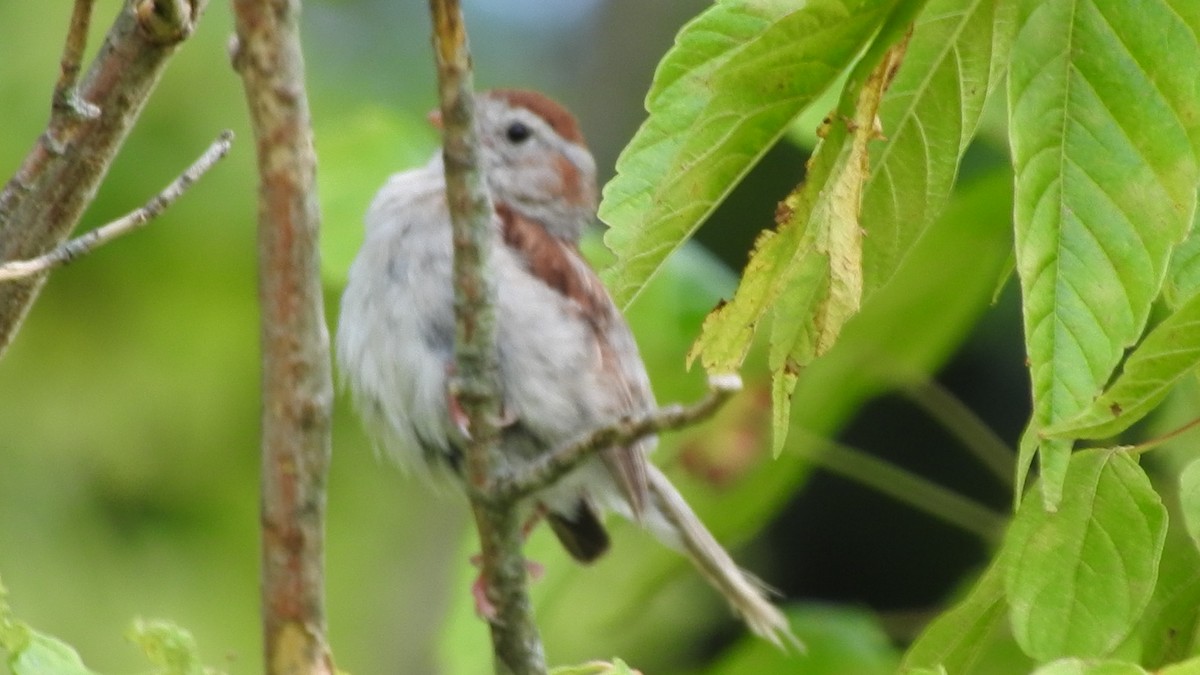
(296, 380)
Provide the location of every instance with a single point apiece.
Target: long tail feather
(746, 594)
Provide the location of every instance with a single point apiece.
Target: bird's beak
(435, 118)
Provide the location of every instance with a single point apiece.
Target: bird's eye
(517, 132)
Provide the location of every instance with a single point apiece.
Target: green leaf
(1189, 667)
(957, 55)
(1167, 354)
(1183, 279)
(168, 646)
(1189, 499)
(1103, 103)
(617, 667)
(1168, 628)
(33, 653)
(1090, 667)
(838, 640)
(735, 78)
(966, 636)
(1078, 579)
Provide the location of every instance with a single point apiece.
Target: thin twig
(1152, 443)
(59, 177)
(66, 96)
(965, 425)
(549, 468)
(82, 245)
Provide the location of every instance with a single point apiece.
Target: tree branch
(66, 96)
(44, 200)
(297, 384)
(551, 467)
(82, 245)
(516, 645)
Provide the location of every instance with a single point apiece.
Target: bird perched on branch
(568, 361)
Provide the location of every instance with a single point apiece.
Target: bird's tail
(680, 528)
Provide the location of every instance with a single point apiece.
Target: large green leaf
(1078, 579)
(956, 56)
(736, 77)
(1104, 113)
(1169, 352)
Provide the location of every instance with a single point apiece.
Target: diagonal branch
(549, 468)
(44, 200)
(136, 219)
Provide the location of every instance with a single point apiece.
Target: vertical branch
(296, 380)
(516, 644)
(43, 201)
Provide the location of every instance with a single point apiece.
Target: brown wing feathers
(559, 265)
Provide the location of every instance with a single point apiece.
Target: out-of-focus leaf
(837, 640)
(1078, 579)
(1189, 667)
(1189, 499)
(617, 667)
(736, 77)
(1075, 666)
(1167, 354)
(1104, 131)
(168, 646)
(34, 653)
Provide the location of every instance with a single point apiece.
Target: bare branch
(82, 245)
(44, 200)
(551, 467)
(66, 96)
(516, 645)
(297, 384)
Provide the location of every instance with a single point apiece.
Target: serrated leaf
(1090, 667)
(736, 77)
(828, 289)
(957, 55)
(1167, 354)
(1103, 101)
(1079, 578)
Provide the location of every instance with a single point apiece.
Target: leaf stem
(906, 487)
(965, 425)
